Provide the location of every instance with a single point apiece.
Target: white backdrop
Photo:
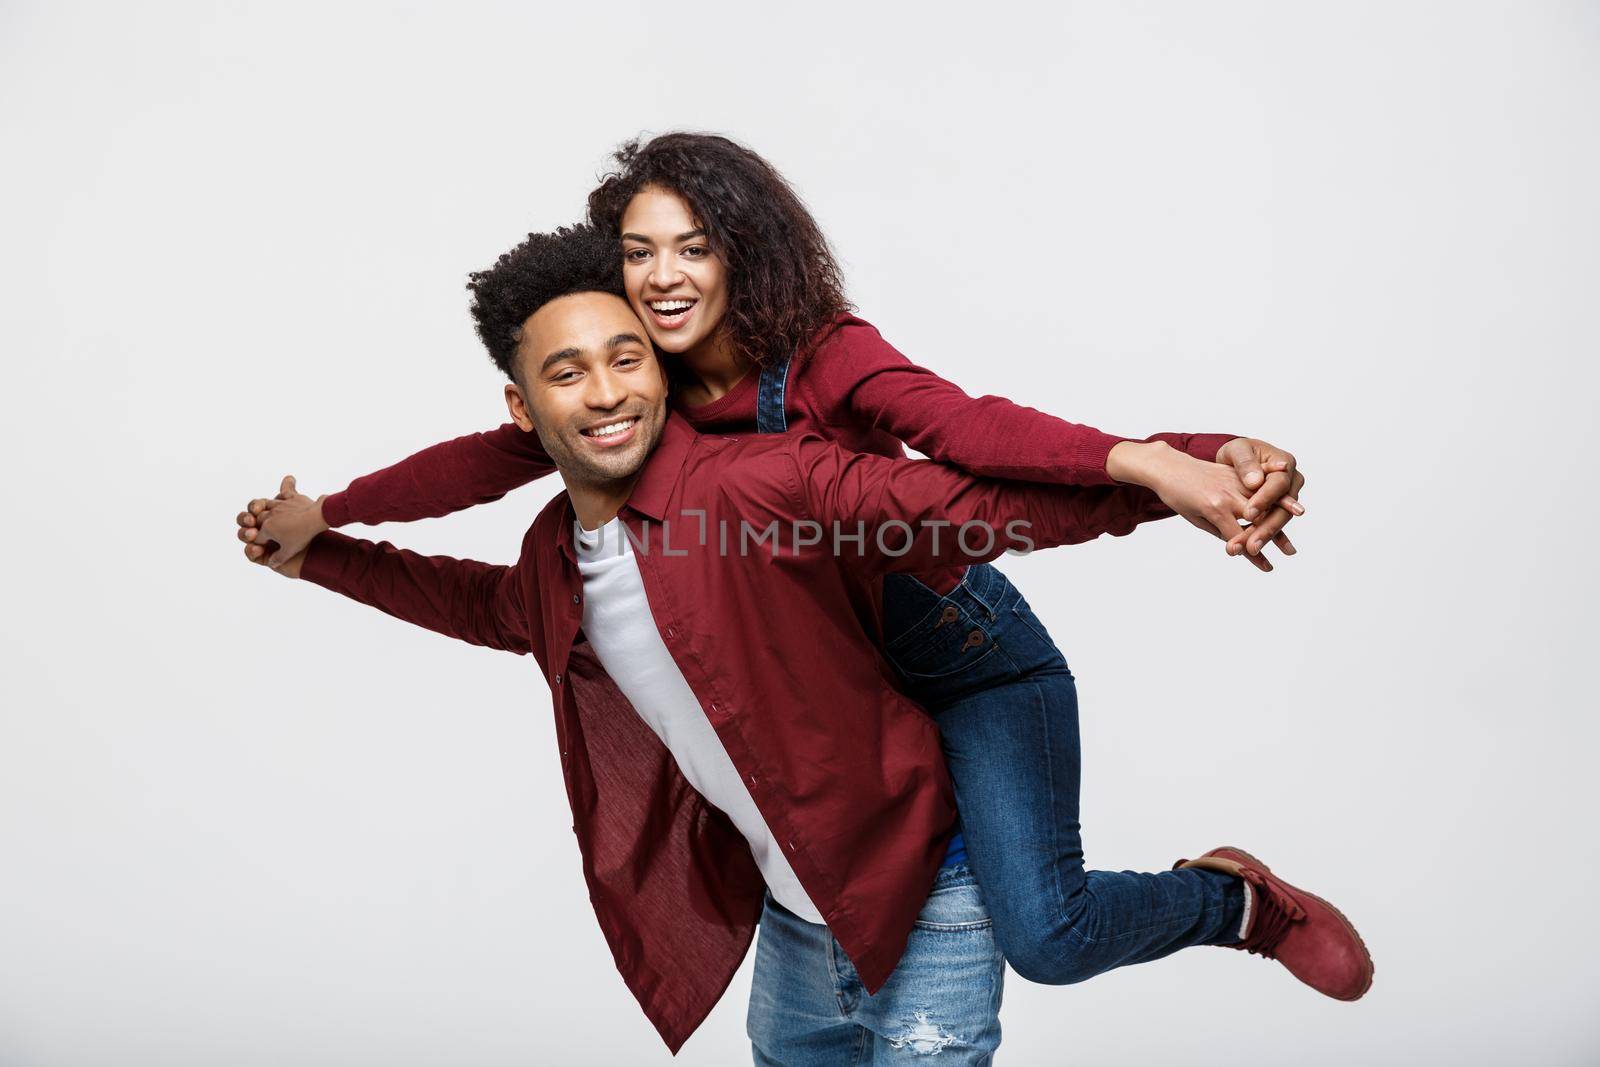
(246, 823)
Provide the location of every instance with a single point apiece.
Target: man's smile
(612, 433)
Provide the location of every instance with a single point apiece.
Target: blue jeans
(983, 665)
(809, 1009)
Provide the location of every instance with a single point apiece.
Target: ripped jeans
(809, 1009)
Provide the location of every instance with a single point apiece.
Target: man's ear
(518, 406)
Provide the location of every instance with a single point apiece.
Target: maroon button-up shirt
(778, 638)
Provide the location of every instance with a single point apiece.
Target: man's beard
(579, 462)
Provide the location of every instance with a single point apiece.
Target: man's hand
(291, 519)
(289, 514)
(1270, 472)
(1212, 496)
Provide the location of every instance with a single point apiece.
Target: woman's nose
(665, 273)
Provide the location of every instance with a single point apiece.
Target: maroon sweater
(851, 387)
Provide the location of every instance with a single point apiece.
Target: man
(705, 611)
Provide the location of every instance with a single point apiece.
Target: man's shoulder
(735, 452)
(748, 468)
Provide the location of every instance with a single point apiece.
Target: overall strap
(769, 397)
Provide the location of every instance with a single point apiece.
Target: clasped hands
(1245, 498)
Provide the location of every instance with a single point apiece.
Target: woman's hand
(1271, 472)
(1212, 496)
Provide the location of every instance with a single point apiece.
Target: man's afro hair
(573, 259)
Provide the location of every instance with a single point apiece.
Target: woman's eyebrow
(642, 239)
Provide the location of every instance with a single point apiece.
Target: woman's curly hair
(573, 259)
(784, 285)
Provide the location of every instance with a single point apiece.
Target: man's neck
(597, 503)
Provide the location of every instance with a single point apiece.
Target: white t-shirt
(620, 627)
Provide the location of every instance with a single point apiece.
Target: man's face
(590, 385)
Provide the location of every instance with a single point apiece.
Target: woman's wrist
(1138, 462)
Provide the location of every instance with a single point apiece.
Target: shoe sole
(1348, 925)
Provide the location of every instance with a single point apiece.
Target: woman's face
(674, 282)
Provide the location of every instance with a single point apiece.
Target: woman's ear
(518, 406)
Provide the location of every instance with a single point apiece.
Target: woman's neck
(711, 370)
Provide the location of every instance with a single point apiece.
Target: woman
(733, 278)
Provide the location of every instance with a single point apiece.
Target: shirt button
(558, 679)
(576, 598)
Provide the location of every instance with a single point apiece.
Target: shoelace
(1275, 912)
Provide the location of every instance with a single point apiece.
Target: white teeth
(611, 429)
(671, 305)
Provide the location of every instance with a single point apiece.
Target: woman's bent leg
(1006, 704)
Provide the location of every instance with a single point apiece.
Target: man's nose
(605, 391)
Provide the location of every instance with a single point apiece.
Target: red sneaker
(1303, 932)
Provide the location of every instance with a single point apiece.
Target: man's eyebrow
(574, 352)
(557, 357)
(642, 239)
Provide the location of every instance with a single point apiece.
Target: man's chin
(612, 466)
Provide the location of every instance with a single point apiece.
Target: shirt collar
(664, 469)
(652, 492)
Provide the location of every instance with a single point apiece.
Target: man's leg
(943, 998)
(808, 1007)
(796, 1016)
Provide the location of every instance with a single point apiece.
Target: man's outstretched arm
(918, 515)
(460, 473)
(479, 603)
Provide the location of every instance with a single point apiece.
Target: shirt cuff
(1199, 445)
(336, 508)
(326, 556)
(1090, 457)
(1206, 445)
